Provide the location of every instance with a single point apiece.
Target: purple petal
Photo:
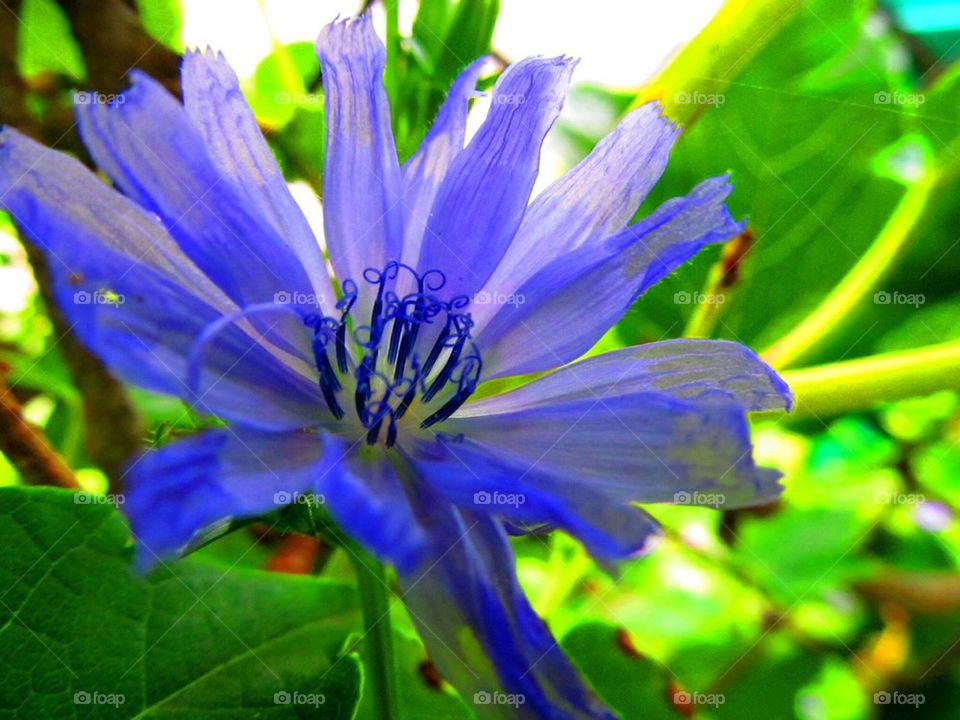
(150, 147)
(484, 479)
(691, 369)
(466, 600)
(369, 502)
(214, 103)
(594, 200)
(178, 495)
(424, 172)
(635, 447)
(362, 195)
(568, 305)
(139, 303)
(482, 199)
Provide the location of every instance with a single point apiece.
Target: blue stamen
(448, 367)
(405, 377)
(342, 347)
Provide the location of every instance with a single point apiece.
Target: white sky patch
(619, 43)
(310, 205)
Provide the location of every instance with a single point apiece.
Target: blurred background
(840, 124)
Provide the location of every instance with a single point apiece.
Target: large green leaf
(799, 129)
(80, 633)
(633, 685)
(421, 692)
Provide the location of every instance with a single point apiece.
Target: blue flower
(202, 279)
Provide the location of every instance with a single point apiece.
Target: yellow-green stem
(829, 390)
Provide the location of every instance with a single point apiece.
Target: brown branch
(26, 447)
(927, 592)
(113, 41)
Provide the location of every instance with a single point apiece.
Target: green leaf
(801, 553)
(299, 145)
(469, 36)
(190, 640)
(446, 37)
(799, 131)
(162, 19)
(633, 685)
(280, 85)
(421, 692)
(45, 41)
(770, 680)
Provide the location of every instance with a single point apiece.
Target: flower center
(415, 350)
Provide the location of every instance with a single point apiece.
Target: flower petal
(148, 145)
(423, 173)
(483, 479)
(213, 101)
(481, 201)
(594, 200)
(636, 446)
(182, 493)
(593, 286)
(138, 302)
(362, 200)
(271, 389)
(368, 501)
(479, 627)
(691, 369)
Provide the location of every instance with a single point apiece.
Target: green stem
(706, 312)
(391, 80)
(378, 633)
(840, 304)
(852, 385)
(289, 76)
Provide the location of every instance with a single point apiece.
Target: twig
(27, 448)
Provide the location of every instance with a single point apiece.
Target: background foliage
(842, 601)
